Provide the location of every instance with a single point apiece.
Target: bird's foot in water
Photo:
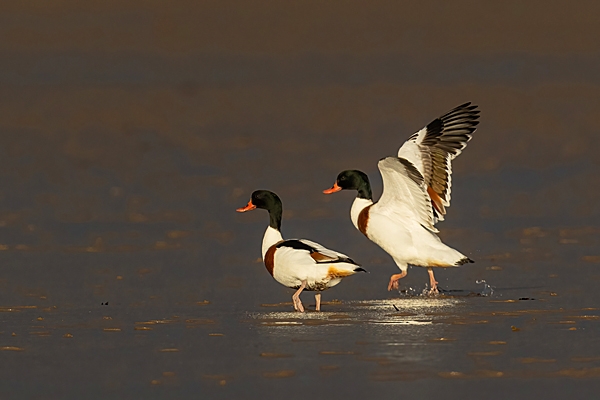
(433, 283)
(394, 284)
(318, 302)
(296, 298)
(298, 305)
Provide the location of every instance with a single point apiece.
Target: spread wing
(318, 252)
(404, 192)
(433, 148)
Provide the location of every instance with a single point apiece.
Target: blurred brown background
(199, 98)
(124, 121)
(134, 129)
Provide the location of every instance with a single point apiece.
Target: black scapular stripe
(300, 245)
(296, 244)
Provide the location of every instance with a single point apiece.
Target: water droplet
(487, 290)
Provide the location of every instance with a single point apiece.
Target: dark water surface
(131, 131)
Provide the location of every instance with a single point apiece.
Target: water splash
(410, 292)
(428, 293)
(487, 290)
(416, 292)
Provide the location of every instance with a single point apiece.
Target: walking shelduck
(298, 263)
(416, 192)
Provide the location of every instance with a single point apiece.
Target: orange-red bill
(248, 207)
(333, 189)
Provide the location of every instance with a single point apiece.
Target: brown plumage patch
(318, 257)
(363, 220)
(270, 258)
(436, 264)
(436, 200)
(334, 273)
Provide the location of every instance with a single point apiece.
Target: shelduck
(298, 263)
(416, 193)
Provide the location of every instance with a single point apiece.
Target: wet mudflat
(128, 335)
(130, 133)
(449, 344)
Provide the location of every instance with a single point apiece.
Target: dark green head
(269, 201)
(352, 179)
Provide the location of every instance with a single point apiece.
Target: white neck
(357, 206)
(271, 237)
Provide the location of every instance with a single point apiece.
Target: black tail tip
(360, 269)
(465, 260)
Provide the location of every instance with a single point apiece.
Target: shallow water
(131, 132)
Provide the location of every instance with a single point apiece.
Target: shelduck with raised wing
(416, 193)
(298, 263)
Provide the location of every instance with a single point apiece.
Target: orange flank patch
(270, 258)
(437, 264)
(335, 273)
(318, 257)
(436, 200)
(363, 220)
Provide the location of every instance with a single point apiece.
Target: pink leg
(318, 300)
(296, 298)
(394, 280)
(432, 282)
